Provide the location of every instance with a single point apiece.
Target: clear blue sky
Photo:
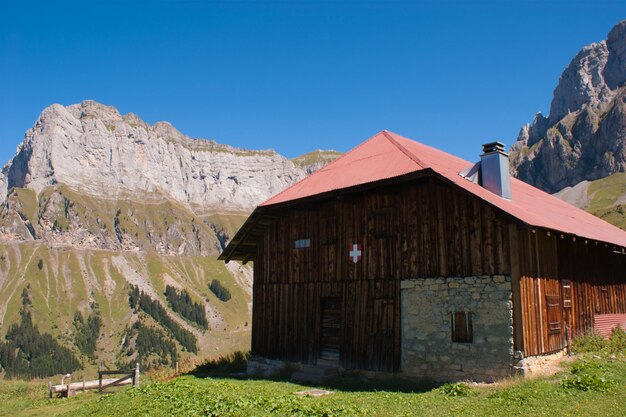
(295, 76)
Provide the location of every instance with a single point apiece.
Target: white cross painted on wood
(355, 253)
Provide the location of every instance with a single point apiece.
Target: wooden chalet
(398, 257)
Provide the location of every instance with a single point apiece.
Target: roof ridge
(404, 150)
(347, 153)
(324, 168)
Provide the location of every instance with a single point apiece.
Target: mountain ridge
(584, 135)
(92, 147)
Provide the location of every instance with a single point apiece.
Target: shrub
(587, 376)
(595, 343)
(617, 342)
(586, 382)
(457, 389)
(589, 343)
(219, 290)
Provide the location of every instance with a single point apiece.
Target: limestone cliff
(87, 177)
(584, 136)
(95, 150)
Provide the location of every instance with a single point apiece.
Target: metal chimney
(494, 169)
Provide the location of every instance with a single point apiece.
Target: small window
(462, 327)
(302, 243)
(567, 293)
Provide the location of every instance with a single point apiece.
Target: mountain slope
(605, 198)
(96, 204)
(64, 281)
(584, 136)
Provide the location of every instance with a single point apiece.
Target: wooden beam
(516, 276)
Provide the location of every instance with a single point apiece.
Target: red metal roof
(388, 155)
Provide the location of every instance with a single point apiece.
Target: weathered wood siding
(597, 279)
(426, 228)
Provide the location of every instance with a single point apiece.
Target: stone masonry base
(428, 308)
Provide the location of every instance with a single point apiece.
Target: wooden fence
(128, 377)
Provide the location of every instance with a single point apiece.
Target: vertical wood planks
(426, 228)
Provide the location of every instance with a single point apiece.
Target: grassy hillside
(605, 198)
(63, 281)
(61, 216)
(315, 159)
(608, 199)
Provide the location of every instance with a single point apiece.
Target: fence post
(99, 381)
(50, 389)
(136, 377)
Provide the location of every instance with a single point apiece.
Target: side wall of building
(429, 306)
(564, 283)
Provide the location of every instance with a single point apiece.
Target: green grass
(605, 192)
(59, 289)
(316, 156)
(195, 395)
(70, 279)
(616, 215)
(28, 203)
(604, 195)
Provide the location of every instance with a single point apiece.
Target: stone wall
(427, 348)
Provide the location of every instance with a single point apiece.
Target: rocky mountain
(584, 136)
(94, 149)
(102, 212)
(88, 177)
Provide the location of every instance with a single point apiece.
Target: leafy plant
(589, 343)
(595, 343)
(617, 342)
(457, 389)
(586, 382)
(587, 376)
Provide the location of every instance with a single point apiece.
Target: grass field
(587, 386)
(607, 197)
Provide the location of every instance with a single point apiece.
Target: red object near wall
(605, 323)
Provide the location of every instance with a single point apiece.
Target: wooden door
(554, 320)
(330, 331)
(382, 337)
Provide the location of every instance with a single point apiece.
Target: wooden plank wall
(598, 285)
(423, 229)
